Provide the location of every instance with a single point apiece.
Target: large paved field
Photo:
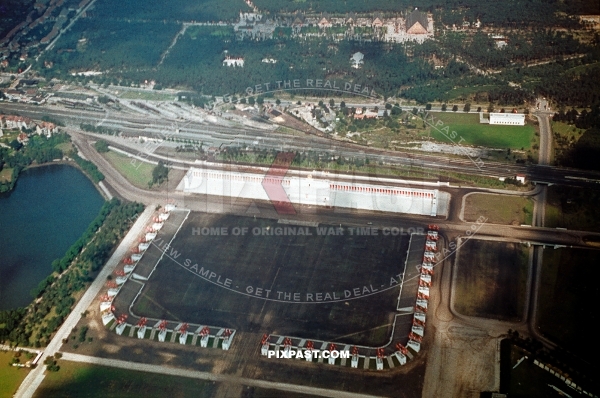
(338, 286)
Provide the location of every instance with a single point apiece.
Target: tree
(478, 109)
(278, 101)
(428, 107)
(101, 146)
(321, 104)
(159, 173)
(454, 108)
(331, 103)
(251, 101)
(467, 107)
(444, 107)
(342, 104)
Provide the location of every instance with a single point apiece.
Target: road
(215, 377)
(36, 376)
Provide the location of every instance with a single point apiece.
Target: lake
(48, 210)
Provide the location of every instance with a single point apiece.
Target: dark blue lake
(48, 210)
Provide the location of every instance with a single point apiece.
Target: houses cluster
(26, 96)
(414, 26)
(14, 122)
(230, 61)
(18, 41)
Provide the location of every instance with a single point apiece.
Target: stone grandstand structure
(312, 191)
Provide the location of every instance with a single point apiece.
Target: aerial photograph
(299, 198)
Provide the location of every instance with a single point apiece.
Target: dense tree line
(88, 167)
(586, 151)
(78, 266)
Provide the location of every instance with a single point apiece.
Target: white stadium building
(317, 191)
(513, 119)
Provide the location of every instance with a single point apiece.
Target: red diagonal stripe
(272, 183)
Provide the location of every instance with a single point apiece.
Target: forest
(586, 151)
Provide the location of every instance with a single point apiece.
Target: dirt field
(499, 209)
(334, 287)
(461, 361)
(490, 280)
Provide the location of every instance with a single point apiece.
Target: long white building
(315, 191)
(513, 119)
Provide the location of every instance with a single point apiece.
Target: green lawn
(10, 376)
(470, 132)
(84, 380)
(65, 147)
(135, 171)
(499, 209)
(6, 174)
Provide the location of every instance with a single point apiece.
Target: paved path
(36, 376)
(220, 378)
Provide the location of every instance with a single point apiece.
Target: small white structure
(379, 363)
(233, 62)
(107, 318)
(169, 207)
(520, 178)
(136, 257)
(150, 237)
(157, 226)
(308, 355)
(512, 119)
(204, 341)
(357, 60)
(354, 361)
(401, 357)
(414, 345)
(143, 246)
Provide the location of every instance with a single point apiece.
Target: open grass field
(499, 209)
(331, 287)
(10, 376)
(470, 132)
(6, 174)
(139, 174)
(569, 295)
(490, 279)
(573, 208)
(65, 147)
(76, 379)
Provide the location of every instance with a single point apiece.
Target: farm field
(490, 279)
(499, 209)
(566, 298)
(76, 379)
(471, 132)
(332, 287)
